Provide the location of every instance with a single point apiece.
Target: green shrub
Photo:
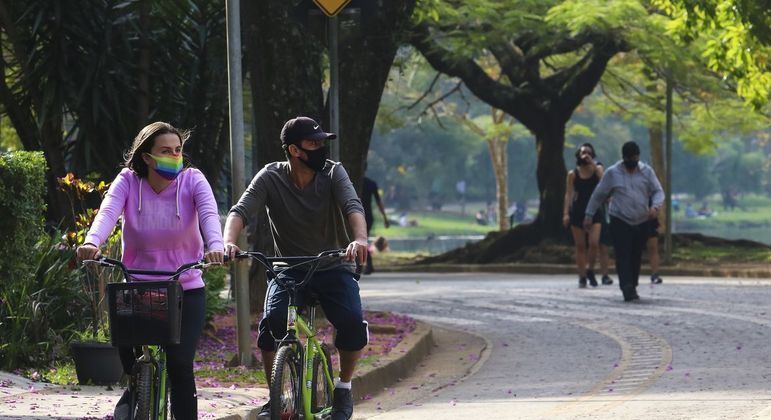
(22, 188)
(40, 311)
(214, 277)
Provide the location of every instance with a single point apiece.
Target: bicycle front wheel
(285, 401)
(144, 378)
(321, 390)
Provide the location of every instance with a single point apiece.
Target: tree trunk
(499, 159)
(551, 173)
(367, 51)
(656, 137)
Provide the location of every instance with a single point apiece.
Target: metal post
(668, 180)
(334, 88)
(239, 271)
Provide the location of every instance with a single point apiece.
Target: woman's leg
(594, 244)
(179, 358)
(579, 238)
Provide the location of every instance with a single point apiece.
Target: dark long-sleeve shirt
(307, 221)
(630, 193)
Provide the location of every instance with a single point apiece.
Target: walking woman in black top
(581, 182)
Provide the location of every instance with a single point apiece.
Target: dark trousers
(179, 357)
(369, 268)
(628, 243)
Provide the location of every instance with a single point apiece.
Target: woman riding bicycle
(165, 206)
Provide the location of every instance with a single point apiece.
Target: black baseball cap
(301, 128)
(630, 149)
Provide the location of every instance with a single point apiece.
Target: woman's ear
(147, 159)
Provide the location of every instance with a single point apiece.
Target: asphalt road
(691, 348)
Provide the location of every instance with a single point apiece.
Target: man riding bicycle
(307, 198)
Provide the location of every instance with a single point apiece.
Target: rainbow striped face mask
(168, 167)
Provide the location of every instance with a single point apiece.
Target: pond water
(434, 245)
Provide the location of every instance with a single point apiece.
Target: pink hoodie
(161, 230)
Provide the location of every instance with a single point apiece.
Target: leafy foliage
(734, 39)
(41, 310)
(22, 186)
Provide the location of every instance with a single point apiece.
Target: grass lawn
(430, 223)
(754, 210)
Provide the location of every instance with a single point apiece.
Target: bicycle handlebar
(112, 263)
(293, 262)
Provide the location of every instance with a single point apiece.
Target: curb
(372, 379)
(407, 354)
(523, 268)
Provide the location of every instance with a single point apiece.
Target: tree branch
(513, 100)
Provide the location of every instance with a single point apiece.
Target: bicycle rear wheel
(321, 390)
(285, 401)
(144, 378)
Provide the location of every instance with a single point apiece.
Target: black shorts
(577, 218)
(338, 294)
(651, 228)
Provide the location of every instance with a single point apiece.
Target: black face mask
(630, 164)
(316, 158)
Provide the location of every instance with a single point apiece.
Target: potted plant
(96, 360)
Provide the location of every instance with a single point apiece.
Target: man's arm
(359, 247)
(250, 201)
(381, 207)
(233, 226)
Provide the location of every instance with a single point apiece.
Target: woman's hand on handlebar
(88, 252)
(231, 250)
(214, 257)
(357, 250)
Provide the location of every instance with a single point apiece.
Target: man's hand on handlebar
(214, 257)
(231, 250)
(357, 250)
(88, 252)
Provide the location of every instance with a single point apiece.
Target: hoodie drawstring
(176, 197)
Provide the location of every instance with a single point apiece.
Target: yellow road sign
(331, 7)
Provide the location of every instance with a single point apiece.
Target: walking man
(631, 184)
(370, 191)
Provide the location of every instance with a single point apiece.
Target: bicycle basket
(145, 312)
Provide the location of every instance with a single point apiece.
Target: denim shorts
(337, 291)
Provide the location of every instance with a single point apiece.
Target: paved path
(691, 348)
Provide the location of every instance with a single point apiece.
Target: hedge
(22, 208)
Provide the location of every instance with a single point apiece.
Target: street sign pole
(235, 85)
(334, 87)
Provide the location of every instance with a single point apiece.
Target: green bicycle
(146, 314)
(301, 383)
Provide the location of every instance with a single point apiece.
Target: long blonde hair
(144, 142)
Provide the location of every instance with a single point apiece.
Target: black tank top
(582, 190)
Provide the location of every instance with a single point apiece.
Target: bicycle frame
(297, 326)
(154, 355)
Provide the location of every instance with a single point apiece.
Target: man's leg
(622, 245)
(652, 246)
(338, 292)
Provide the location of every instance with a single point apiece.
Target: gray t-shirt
(307, 221)
(630, 193)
